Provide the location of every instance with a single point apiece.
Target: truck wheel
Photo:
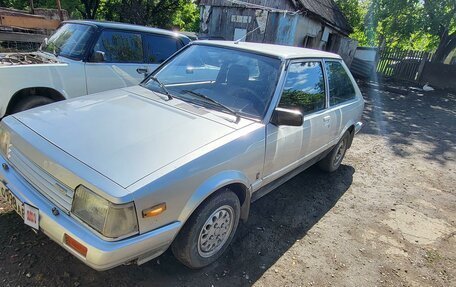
(31, 102)
(209, 230)
(332, 161)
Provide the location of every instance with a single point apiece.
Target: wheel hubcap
(216, 231)
(340, 153)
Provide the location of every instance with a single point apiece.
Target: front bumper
(101, 254)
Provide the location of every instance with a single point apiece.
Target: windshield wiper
(162, 86)
(56, 51)
(220, 105)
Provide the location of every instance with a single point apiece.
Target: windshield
(224, 79)
(69, 41)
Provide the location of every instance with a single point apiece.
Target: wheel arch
(350, 128)
(33, 91)
(233, 180)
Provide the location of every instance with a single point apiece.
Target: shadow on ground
(276, 222)
(407, 114)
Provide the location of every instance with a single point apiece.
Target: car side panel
(184, 184)
(67, 78)
(108, 76)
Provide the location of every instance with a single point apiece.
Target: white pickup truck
(80, 58)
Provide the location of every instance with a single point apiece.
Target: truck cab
(80, 58)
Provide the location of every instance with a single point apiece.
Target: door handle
(141, 70)
(327, 121)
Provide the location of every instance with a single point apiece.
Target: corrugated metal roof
(328, 11)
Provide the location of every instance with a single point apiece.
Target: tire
(332, 161)
(31, 102)
(193, 245)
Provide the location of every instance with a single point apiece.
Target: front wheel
(209, 231)
(332, 161)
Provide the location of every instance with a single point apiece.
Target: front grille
(54, 190)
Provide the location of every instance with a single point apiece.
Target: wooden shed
(317, 24)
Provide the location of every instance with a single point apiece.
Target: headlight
(4, 139)
(111, 220)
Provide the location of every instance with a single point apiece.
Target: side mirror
(98, 57)
(287, 117)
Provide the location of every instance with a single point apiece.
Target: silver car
(120, 176)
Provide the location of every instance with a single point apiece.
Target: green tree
(352, 11)
(89, 8)
(440, 20)
(409, 24)
(182, 14)
(186, 17)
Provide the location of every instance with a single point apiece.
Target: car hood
(122, 135)
(24, 59)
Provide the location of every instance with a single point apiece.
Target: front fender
(66, 78)
(213, 184)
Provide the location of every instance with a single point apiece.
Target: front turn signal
(154, 210)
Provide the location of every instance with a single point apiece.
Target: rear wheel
(31, 102)
(209, 231)
(332, 161)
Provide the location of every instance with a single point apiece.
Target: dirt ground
(385, 218)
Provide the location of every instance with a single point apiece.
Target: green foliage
(182, 14)
(166, 14)
(426, 25)
(187, 17)
(352, 11)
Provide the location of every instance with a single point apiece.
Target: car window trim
(303, 60)
(115, 30)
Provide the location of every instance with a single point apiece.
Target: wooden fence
(402, 64)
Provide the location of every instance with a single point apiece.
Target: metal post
(59, 7)
(421, 67)
(32, 8)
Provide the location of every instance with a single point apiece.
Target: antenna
(246, 34)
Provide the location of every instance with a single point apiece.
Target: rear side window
(120, 47)
(158, 48)
(340, 85)
(304, 88)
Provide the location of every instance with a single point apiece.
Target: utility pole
(32, 8)
(59, 7)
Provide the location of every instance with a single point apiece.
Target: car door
(123, 63)
(288, 147)
(158, 48)
(342, 97)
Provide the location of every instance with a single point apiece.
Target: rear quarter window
(340, 85)
(158, 48)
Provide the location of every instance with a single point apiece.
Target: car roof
(125, 26)
(280, 51)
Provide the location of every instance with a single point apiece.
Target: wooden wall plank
(21, 37)
(28, 22)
